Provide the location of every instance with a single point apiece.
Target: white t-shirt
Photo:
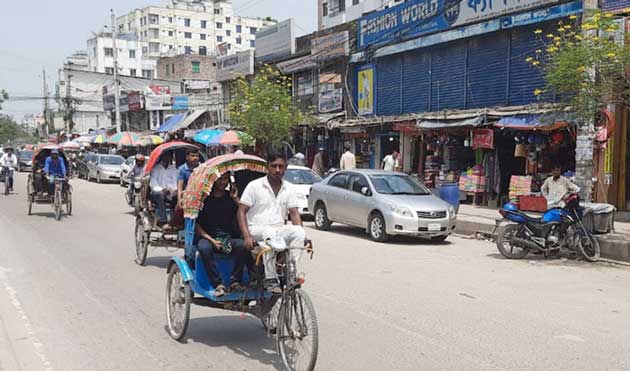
(389, 163)
(8, 161)
(265, 208)
(162, 178)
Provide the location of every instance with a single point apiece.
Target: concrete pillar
(584, 160)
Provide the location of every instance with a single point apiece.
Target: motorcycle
(558, 229)
(133, 194)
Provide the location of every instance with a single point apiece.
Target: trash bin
(599, 218)
(449, 192)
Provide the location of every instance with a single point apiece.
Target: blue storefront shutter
(487, 70)
(388, 85)
(448, 64)
(416, 81)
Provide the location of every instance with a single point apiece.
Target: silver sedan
(384, 203)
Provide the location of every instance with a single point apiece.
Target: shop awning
(532, 122)
(170, 123)
(443, 124)
(186, 122)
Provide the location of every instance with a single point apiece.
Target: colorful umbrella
(234, 138)
(206, 136)
(124, 138)
(99, 139)
(84, 139)
(70, 146)
(150, 140)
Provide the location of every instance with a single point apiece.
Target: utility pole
(44, 129)
(116, 82)
(68, 99)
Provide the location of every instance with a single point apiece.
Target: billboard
(275, 42)
(365, 89)
(236, 65)
(158, 102)
(419, 17)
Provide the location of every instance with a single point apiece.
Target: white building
(132, 55)
(331, 13)
(192, 27)
(77, 61)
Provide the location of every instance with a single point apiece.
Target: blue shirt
(183, 173)
(56, 168)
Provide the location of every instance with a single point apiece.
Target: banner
(236, 65)
(419, 17)
(158, 102)
(275, 42)
(483, 138)
(365, 90)
(135, 101)
(180, 103)
(330, 101)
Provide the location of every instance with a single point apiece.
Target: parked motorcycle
(133, 194)
(558, 229)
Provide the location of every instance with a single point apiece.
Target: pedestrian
(348, 160)
(390, 162)
(318, 162)
(556, 188)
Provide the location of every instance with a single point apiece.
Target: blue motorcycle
(558, 229)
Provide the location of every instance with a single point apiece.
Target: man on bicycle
(54, 167)
(8, 162)
(263, 209)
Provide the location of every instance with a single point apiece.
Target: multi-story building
(77, 61)
(332, 13)
(192, 27)
(132, 55)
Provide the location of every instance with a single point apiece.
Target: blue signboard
(419, 17)
(180, 103)
(615, 5)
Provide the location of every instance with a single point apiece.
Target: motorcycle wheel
(589, 247)
(505, 247)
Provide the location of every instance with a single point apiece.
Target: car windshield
(26, 155)
(398, 185)
(301, 176)
(112, 160)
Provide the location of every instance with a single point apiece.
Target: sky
(39, 34)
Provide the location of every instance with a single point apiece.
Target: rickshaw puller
(54, 167)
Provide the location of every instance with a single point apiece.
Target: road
(72, 298)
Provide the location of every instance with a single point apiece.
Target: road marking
(569, 337)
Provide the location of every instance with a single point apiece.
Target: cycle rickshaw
(38, 193)
(290, 316)
(147, 232)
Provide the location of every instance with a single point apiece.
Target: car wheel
(321, 217)
(98, 178)
(377, 228)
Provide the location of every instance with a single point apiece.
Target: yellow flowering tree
(586, 64)
(264, 108)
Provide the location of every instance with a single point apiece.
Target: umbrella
(70, 146)
(124, 138)
(234, 137)
(84, 139)
(150, 140)
(99, 139)
(206, 136)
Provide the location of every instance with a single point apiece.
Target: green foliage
(3, 96)
(585, 64)
(264, 108)
(12, 132)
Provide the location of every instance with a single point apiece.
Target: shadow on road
(356, 232)
(158, 261)
(564, 259)
(245, 337)
(50, 215)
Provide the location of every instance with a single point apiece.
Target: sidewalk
(472, 220)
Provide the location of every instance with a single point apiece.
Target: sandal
(236, 286)
(273, 287)
(219, 291)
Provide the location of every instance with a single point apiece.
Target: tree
(3, 96)
(588, 69)
(11, 132)
(264, 108)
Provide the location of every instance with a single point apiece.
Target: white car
(302, 178)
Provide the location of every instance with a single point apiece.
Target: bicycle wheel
(297, 333)
(57, 204)
(178, 299)
(142, 242)
(69, 203)
(270, 320)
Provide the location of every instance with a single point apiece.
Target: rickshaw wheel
(142, 242)
(298, 334)
(270, 320)
(69, 203)
(30, 204)
(178, 299)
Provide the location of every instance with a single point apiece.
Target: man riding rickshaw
(48, 181)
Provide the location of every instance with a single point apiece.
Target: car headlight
(401, 211)
(451, 212)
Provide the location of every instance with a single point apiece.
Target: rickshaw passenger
(54, 167)
(215, 228)
(262, 212)
(184, 171)
(163, 185)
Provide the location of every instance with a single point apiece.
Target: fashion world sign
(419, 17)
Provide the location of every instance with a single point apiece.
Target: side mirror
(365, 191)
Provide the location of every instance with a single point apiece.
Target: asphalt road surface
(72, 298)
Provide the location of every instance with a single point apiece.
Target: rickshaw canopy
(203, 178)
(163, 148)
(44, 150)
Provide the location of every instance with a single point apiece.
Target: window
(356, 182)
(252, 30)
(188, 50)
(187, 22)
(188, 35)
(228, 19)
(239, 41)
(145, 50)
(170, 19)
(173, 68)
(355, 2)
(154, 19)
(217, 11)
(148, 74)
(132, 72)
(238, 28)
(219, 38)
(219, 25)
(325, 9)
(342, 5)
(305, 85)
(145, 33)
(129, 26)
(229, 46)
(168, 70)
(203, 50)
(171, 33)
(202, 36)
(339, 180)
(109, 70)
(203, 24)
(132, 53)
(109, 52)
(145, 20)
(228, 33)
(252, 43)
(196, 67)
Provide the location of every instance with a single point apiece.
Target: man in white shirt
(348, 161)
(8, 162)
(163, 185)
(390, 162)
(556, 188)
(265, 204)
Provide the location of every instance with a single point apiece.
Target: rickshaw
(147, 231)
(289, 316)
(62, 195)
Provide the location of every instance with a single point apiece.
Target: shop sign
(158, 102)
(410, 129)
(365, 90)
(236, 65)
(330, 100)
(109, 102)
(419, 17)
(160, 89)
(198, 84)
(123, 102)
(483, 138)
(180, 103)
(134, 100)
(275, 42)
(615, 5)
(330, 46)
